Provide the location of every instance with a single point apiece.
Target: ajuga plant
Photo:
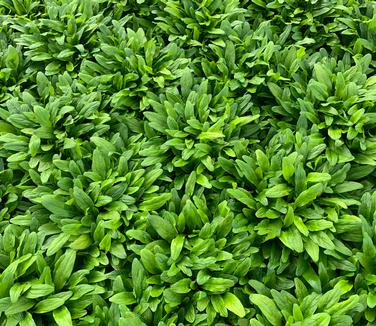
(171, 163)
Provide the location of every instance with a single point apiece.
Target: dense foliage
(182, 162)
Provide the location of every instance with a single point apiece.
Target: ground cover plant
(182, 162)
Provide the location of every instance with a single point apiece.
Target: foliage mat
(183, 162)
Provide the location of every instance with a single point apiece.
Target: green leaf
(292, 239)
(56, 205)
(219, 305)
(262, 160)
(278, 191)
(62, 316)
(307, 196)
(17, 290)
(21, 305)
(243, 121)
(163, 227)
(57, 244)
(371, 300)
(218, 284)
(318, 225)
(49, 304)
(243, 196)
(233, 304)
(210, 135)
(288, 166)
(347, 186)
(63, 268)
(149, 261)
(125, 298)
(130, 318)
(39, 290)
(312, 249)
(103, 144)
(28, 320)
(318, 177)
(182, 286)
(155, 202)
(318, 90)
(275, 90)
(82, 242)
(344, 307)
(186, 82)
(323, 75)
(82, 199)
(322, 239)
(203, 181)
(334, 134)
(230, 54)
(177, 246)
(99, 164)
(12, 60)
(138, 278)
(267, 307)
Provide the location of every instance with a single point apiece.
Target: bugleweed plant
(182, 162)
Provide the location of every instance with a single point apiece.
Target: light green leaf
(177, 246)
(307, 196)
(155, 202)
(57, 243)
(243, 196)
(318, 177)
(163, 227)
(48, 305)
(292, 239)
(62, 316)
(233, 304)
(138, 278)
(278, 191)
(267, 307)
(210, 135)
(63, 268)
(124, 298)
